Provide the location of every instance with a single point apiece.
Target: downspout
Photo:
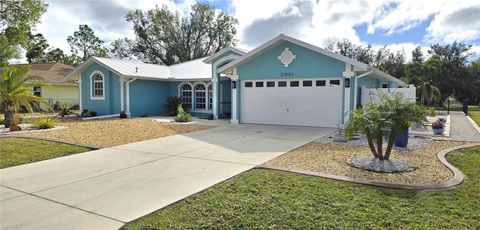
(128, 95)
(122, 104)
(80, 93)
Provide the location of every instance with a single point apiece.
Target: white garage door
(306, 102)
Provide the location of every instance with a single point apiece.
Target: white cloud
(313, 21)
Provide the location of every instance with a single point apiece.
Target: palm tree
(16, 91)
(429, 94)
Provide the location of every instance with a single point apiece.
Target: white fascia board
(283, 37)
(389, 77)
(224, 50)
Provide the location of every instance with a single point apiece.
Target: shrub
(171, 105)
(2, 121)
(65, 109)
(86, 113)
(123, 114)
(437, 125)
(384, 119)
(182, 116)
(44, 123)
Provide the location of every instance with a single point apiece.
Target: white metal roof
(195, 69)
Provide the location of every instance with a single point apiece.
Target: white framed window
(200, 97)
(97, 86)
(186, 94)
(210, 97)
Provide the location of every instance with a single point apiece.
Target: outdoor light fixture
(234, 84)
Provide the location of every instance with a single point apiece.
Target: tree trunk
(391, 139)
(380, 144)
(8, 114)
(370, 142)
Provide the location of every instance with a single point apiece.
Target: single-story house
(284, 81)
(61, 89)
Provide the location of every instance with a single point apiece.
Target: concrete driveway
(106, 188)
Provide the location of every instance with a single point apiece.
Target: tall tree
(17, 19)
(395, 64)
(417, 54)
(452, 76)
(84, 44)
(163, 37)
(35, 47)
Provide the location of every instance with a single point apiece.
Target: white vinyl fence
(372, 95)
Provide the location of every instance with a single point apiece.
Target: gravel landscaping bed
(113, 132)
(331, 158)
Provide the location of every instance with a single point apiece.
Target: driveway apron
(107, 188)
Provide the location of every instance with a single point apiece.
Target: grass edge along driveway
(18, 151)
(270, 199)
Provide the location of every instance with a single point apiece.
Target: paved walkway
(461, 129)
(106, 188)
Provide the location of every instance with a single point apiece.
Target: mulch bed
(331, 158)
(114, 132)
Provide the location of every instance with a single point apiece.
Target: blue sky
(400, 24)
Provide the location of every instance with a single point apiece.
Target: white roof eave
(224, 50)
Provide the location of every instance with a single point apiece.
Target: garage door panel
(306, 106)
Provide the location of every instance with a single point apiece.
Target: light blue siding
(307, 63)
(147, 98)
(111, 104)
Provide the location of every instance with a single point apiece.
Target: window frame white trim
(181, 95)
(194, 97)
(102, 98)
(209, 97)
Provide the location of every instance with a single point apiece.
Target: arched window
(210, 97)
(200, 97)
(186, 94)
(98, 86)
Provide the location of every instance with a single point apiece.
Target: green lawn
(475, 115)
(17, 151)
(261, 199)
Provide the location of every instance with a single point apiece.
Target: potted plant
(402, 138)
(437, 128)
(14, 127)
(123, 114)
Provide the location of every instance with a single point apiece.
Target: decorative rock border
(92, 147)
(457, 179)
(26, 130)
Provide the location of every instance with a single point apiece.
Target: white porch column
(234, 119)
(128, 95)
(347, 74)
(80, 93)
(122, 104)
(215, 94)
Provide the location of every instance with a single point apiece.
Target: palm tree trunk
(391, 139)
(370, 142)
(8, 114)
(380, 144)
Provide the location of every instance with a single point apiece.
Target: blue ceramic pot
(402, 138)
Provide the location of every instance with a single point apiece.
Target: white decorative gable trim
(286, 57)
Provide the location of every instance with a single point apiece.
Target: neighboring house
(284, 81)
(62, 90)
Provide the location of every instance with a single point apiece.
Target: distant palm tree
(429, 94)
(16, 91)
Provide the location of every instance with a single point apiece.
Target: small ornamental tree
(384, 119)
